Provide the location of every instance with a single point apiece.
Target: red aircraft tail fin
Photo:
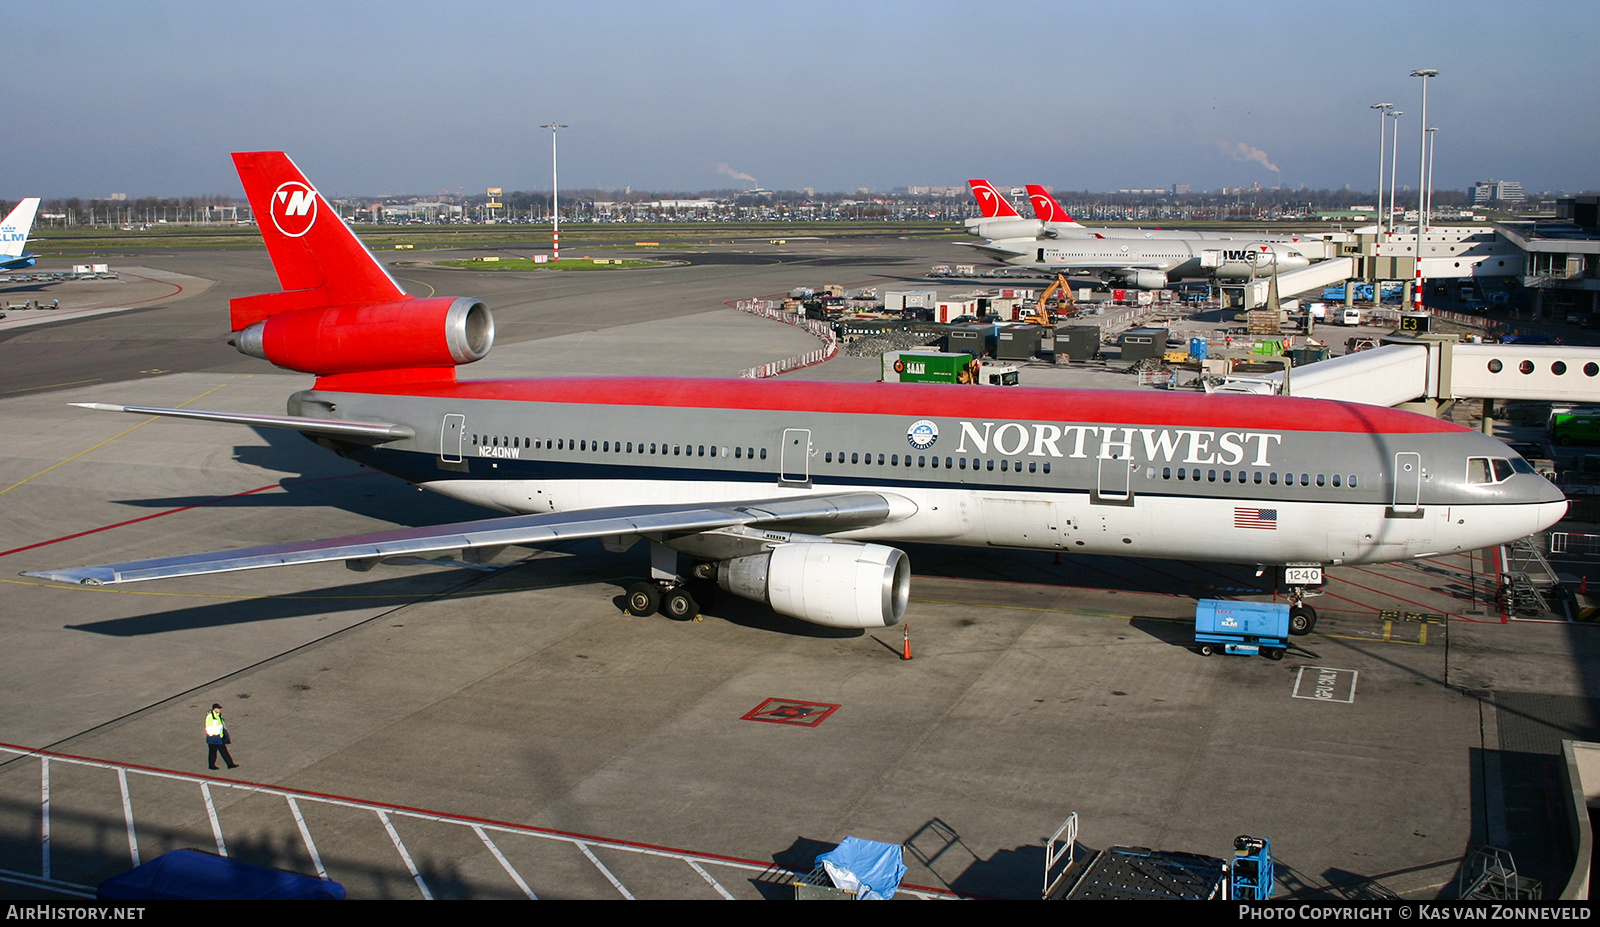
(319, 260)
(340, 315)
(1045, 207)
(990, 202)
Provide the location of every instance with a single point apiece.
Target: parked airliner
(794, 493)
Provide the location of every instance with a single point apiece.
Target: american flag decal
(1255, 518)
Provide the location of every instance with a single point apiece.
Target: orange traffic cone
(905, 653)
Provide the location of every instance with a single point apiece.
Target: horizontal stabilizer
(829, 512)
(371, 432)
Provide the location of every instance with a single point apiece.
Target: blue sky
(147, 98)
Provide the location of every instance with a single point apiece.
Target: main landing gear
(667, 591)
(675, 600)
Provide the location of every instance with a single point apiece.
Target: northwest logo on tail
(294, 208)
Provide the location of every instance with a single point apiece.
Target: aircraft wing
(818, 513)
(368, 432)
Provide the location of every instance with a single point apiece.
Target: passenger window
(1047, 466)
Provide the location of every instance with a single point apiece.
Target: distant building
(1497, 191)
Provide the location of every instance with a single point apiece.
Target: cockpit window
(1522, 466)
(1482, 470)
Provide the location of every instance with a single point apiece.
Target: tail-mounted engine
(392, 335)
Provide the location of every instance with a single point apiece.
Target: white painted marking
(412, 867)
(707, 876)
(305, 834)
(605, 872)
(504, 863)
(211, 812)
(127, 815)
(44, 816)
(1325, 684)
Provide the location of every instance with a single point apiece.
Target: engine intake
(438, 332)
(838, 585)
(1145, 280)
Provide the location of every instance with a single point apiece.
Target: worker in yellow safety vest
(217, 738)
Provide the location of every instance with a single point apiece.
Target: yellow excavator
(1065, 304)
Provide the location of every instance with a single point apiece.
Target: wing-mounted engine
(393, 335)
(1144, 279)
(838, 585)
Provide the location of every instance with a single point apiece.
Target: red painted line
(464, 818)
(1376, 592)
(1407, 582)
(176, 289)
(197, 505)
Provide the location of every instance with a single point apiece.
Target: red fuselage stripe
(924, 400)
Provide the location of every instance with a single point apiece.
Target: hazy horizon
(402, 98)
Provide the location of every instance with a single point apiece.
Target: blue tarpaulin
(193, 875)
(871, 869)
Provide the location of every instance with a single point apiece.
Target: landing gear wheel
(1302, 619)
(679, 605)
(643, 599)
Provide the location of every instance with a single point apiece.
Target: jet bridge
(1422, 370)
(1310, 279)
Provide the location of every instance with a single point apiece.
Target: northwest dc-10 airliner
(793, 493)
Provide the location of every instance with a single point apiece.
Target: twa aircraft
(792, 493)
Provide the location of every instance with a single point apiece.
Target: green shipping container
(923, 367)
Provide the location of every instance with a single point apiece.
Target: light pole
(1383, 127)
(1394, 160)
(1431, 130)
(1422, 183)
(555, 201)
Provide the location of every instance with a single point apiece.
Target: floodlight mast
(555, 201)
(1383, 127)
(1422, 184)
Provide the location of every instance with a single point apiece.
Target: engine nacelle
(838, 585)
(1008, 228)
(438, 332)
(1145, 280)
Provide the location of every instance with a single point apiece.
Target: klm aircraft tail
(14, 231)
